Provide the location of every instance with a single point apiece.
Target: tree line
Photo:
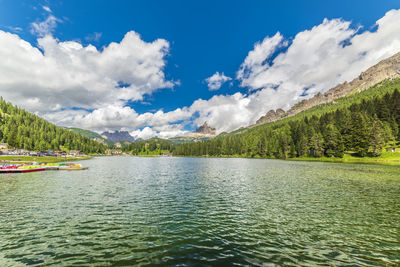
(362, 128)
(21, 129)
(151, 146)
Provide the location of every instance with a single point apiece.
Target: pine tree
(333, 145)
(376, 138)
(360, 134)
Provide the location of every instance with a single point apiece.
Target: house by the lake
(75, 153)
(3, 146)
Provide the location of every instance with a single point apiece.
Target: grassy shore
(22, 159)
(387, 158)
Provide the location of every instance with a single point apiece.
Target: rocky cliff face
(204, 130)
(118, 136)
(386, 69)
(271, 116)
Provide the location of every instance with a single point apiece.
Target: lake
(202, 211)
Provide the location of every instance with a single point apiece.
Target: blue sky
(204, 37)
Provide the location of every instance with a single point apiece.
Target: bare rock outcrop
(271, 116)
(387, 69)
(118, 136)
(204, 130)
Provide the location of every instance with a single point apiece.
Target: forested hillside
(153, 146)
(92, 135)
(362, 124)
(21, 129)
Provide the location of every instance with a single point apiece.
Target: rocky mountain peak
(118, 136)
(204, 130)
(271, 116)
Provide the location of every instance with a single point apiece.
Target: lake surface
(194, 211)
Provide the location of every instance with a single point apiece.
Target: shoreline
(386, 159)
(351, 161)
(25, 159)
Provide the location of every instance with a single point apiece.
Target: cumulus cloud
(165, 131)
(215, 81)
(65, 75)
(279, 72)
(75, 85)
(115, 117)
(255, 62)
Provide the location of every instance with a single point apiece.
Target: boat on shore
(72, 167)
(21, 168)
(34, 167)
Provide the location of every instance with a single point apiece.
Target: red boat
(21, 170)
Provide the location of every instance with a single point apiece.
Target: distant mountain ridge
(118, 136)
(93, 135)
(387, 69)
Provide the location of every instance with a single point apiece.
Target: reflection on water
(168, 211)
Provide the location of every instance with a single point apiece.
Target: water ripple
(184, 211)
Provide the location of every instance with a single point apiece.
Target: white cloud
(215, 81)
(13, 29)
(314, 61)
(68, 75)
(116, 117)
(166, 131)
(75, 85)
(145, 133)
(94, 37)
(45, 27)
(255, 62)
(47, 8)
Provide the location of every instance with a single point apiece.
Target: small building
(75, 153)
(166, 154)
(60, 153)
(111, 152)
(392, 149)
(3, 146)
(117, 151)
(118, 145)
(50, 153)
(22, 152)
(12, 152)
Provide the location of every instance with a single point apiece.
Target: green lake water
(127, 211)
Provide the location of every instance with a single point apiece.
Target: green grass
(40, 159)
(156, 152)
(187, 139)
(387, 158)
